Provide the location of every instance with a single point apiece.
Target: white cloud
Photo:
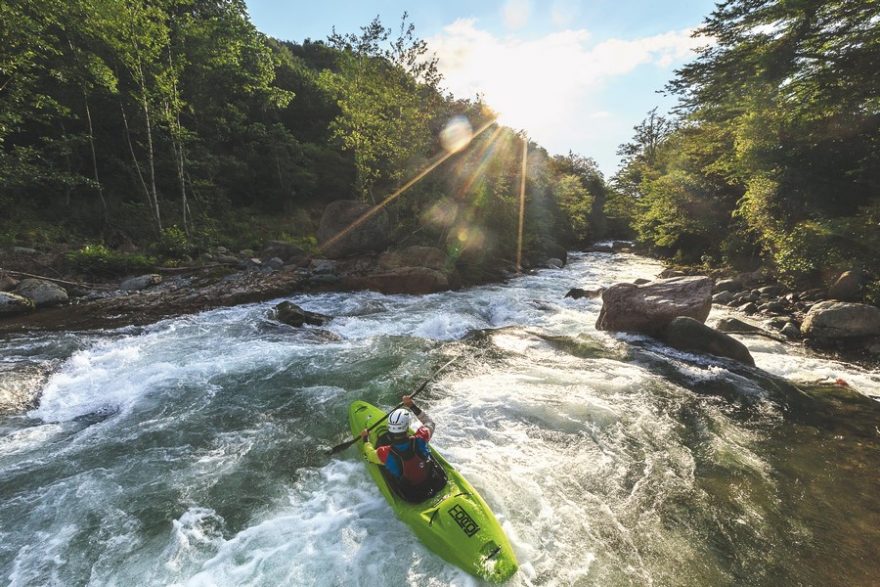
(563, 12)
(546, 85)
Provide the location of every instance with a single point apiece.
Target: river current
(192, 451)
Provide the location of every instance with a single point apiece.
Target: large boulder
(649, 308)
(690, 335)
(404, 280)
(43, 293)
(371, 235)
(140, 282)
(834, 320)
(291, 314)
(578, 293)
(847, 288)
(415, 256)
(12, 304)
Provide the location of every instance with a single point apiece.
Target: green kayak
(455, 522)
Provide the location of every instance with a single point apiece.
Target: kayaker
(406, 457)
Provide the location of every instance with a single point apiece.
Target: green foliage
(775, 153)
(173, 243)
(100, 261)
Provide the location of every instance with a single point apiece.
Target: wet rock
(723, 297)
(731, 285)
(141, 282)
(8, 283)
(691, 335)
(649, 308)
(338, 216)
(324, 280)
(577, 293)
(748, 308)
(641, 281)
(12, 304)
(667, 273)
(621, 247)
(836, 320)
(554, 263)
(404, 280)
(43, 293)
(227, 258)
(847, 287)
(291, 314)
(24, 250)
(737, 326)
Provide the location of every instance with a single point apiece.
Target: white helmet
(398, 421)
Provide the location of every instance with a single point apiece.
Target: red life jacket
(415, 467)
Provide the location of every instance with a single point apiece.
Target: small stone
(748, 308)
(141, 282)
(722, 297)
(731, 285)
(8, 283)
(24, 250)
(791, 331)
(554, 263)
(323, 266)
(641, 281)
(770, 290)
(275, 263)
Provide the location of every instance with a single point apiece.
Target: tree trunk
(150, 156)
(137, 165)
(98, 186)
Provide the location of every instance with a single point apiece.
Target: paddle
(348, 443)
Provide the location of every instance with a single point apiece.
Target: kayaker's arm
(370, 452)
(423, 416)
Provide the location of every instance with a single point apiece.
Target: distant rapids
(191, 452)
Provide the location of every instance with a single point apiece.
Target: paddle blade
(342, 447)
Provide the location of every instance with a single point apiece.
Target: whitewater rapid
(191, 452)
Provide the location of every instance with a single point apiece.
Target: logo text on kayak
(463, 519)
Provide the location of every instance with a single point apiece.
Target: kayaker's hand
(365, 435)
(407, 401)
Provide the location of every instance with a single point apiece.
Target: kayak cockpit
(435, 484)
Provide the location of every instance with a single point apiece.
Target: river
(191, 452)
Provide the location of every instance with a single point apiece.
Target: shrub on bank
(99, 260)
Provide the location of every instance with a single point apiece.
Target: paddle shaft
(348, 443)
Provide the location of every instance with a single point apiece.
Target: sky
(575, 76)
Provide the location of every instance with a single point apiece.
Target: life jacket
(415, 467)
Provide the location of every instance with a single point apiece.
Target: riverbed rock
(404, 280)
(691, 335)
(737, 326)
(836, 320)
(847, 287)
(748, 308)
(577, 293)
(291, 314)
(338, 216)
(141, 282)
(12, 304)
(323, 266)
(275, 263)
(8, 283)
(554, 263)
(282, 250)
(791, 331)
(43, 293)
(649, 308)
(641, 281)
(414, 256)
(731, 285)
(722, 297)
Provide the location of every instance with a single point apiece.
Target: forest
(168, 126)
(772, 157)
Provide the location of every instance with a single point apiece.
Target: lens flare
(457, 134)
